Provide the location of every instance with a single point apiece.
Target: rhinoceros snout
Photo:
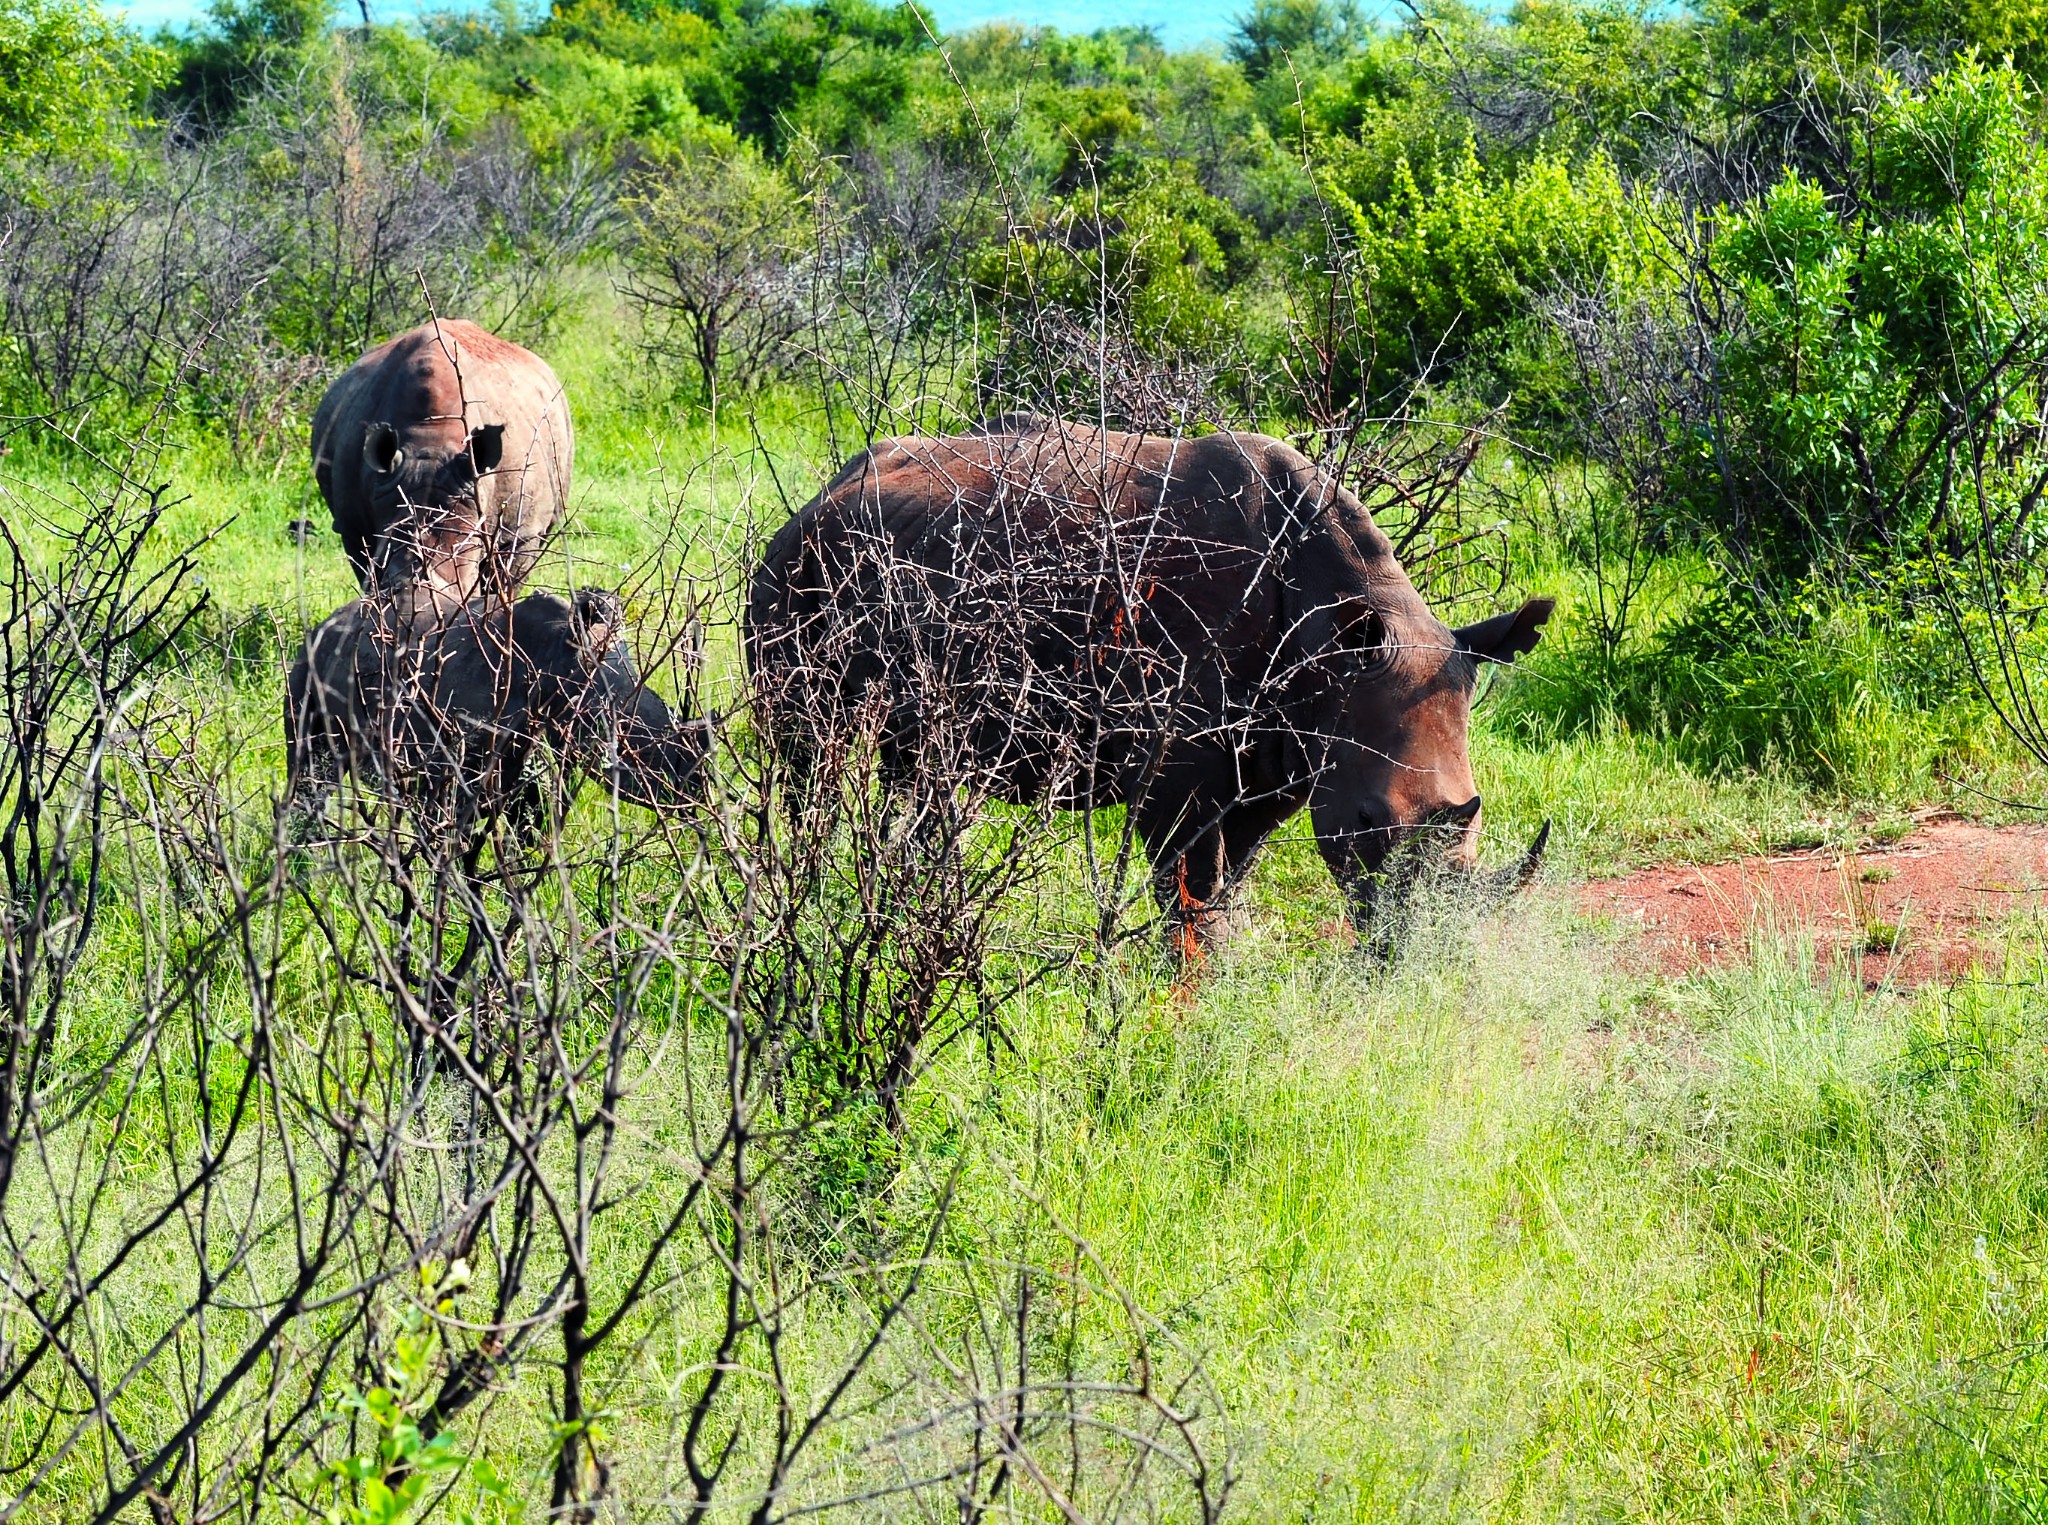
(1384, 903)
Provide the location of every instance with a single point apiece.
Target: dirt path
(1922, 908)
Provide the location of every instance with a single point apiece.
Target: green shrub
(1780, 30)
(1159, 250)
(221, 63)
(1866, 695)
(560, 93)
(71, 81)
(1875, 335)
(634, 33)
(1365, 119)
(772, 69)
(1448, 273)
(1292, 35)
(715, 243)
(1096, 126)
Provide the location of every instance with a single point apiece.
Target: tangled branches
(331, 1171)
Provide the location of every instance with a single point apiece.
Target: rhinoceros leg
(323, 735)
(1199, 858)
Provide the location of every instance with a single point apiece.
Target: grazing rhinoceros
(444, 455)
(1206, 630)
(448, 700)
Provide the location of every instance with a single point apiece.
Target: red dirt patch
(1942, 889)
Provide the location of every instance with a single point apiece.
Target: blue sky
(1181, 23)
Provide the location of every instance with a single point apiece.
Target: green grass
(1485, 1241)
(1852, 694)
(1510, 1233)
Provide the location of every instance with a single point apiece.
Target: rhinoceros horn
(1500, 883)
(1377, 901)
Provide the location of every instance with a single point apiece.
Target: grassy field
(1512, 1233)
(1520, 1237)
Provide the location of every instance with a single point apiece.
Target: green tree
(1275, 34)
(1864, 31)
(717, 241)
(772, 66)
(219, 65)
(1869, 330)
(71, 81)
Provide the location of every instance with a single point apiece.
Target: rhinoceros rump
(448, 700)
(444, 455)
(1206, 630)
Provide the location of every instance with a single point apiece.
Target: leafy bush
(1869, 342)
(1289, 34)
(70, 80)
(1846, 693)
(770, 69)
(1366, 117)
(218, 66)
(633, 33)
(1155, 247)
(562, 94)
(1451, 272)
(1998, 27)
(1117, 304)
(1832, 392)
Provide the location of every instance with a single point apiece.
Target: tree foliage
(1857, 334)
(1451, 273)
(71, 80)
(716, 245)
(1834, 211)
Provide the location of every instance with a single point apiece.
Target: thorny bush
(531, 1117)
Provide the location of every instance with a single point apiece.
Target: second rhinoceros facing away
(444, 456)
(1208, 631)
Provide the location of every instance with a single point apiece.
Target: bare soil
(1930, 906)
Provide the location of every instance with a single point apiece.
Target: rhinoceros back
(433, 386)
(1052, 602)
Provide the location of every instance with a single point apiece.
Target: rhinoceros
(1208, 630)
(444, 455)
(448, 700)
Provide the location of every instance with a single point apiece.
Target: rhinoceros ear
(1506, 636)
(487, 446)
(600, 619)
(380, 448)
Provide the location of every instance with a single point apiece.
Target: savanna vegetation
(775, 1157)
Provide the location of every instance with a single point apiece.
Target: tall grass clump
(1511, 1234)
(1845, 694)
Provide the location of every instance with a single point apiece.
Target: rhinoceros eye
(1362, 631)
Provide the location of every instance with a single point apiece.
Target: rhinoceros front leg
(1198, 860)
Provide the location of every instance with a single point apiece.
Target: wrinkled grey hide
(448, 700)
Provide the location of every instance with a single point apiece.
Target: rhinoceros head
(429, 522)
(1394, 798)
